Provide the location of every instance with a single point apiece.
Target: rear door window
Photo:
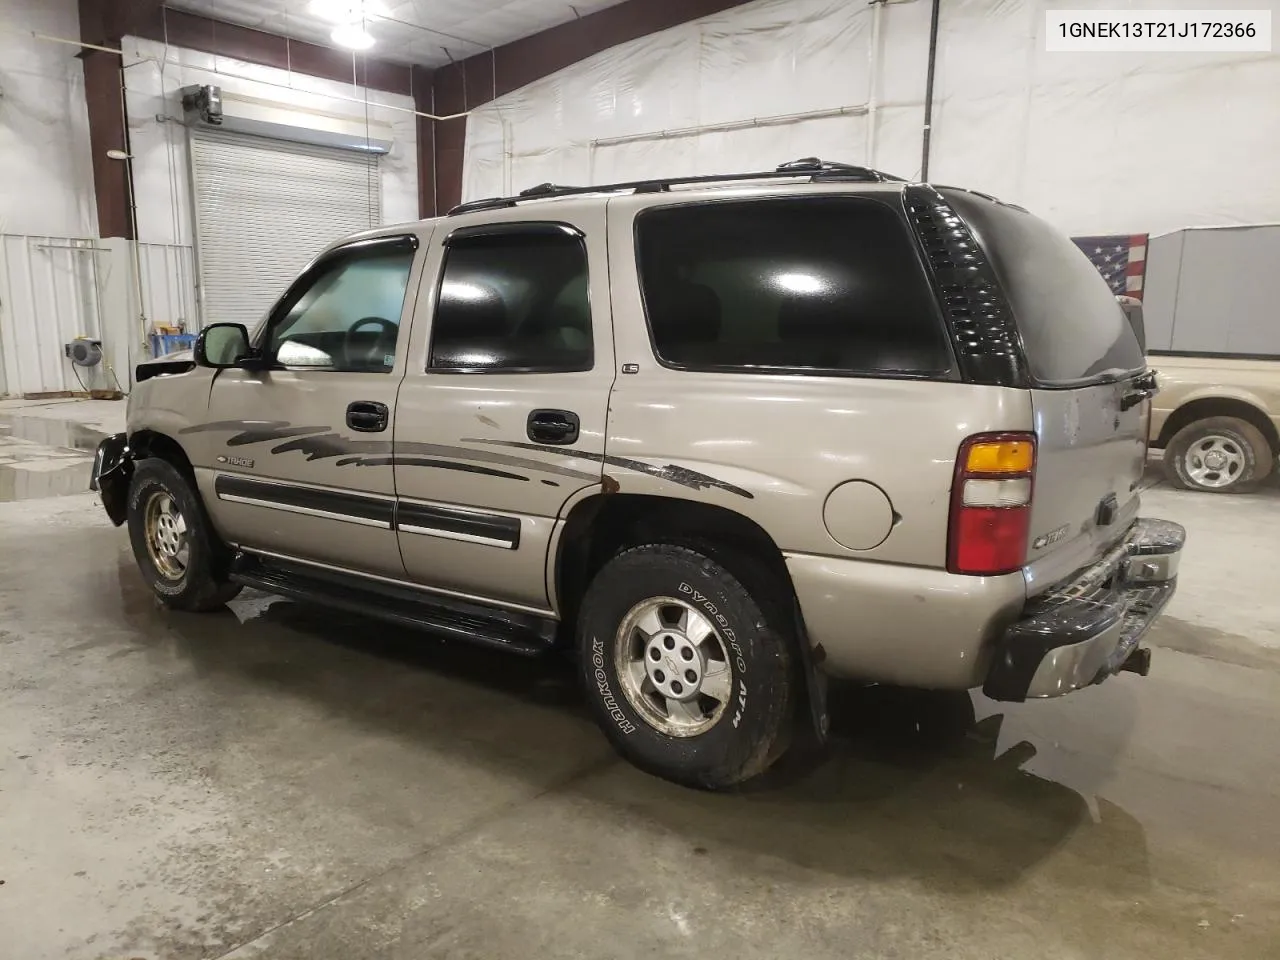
(514, 302)
(823, 285)
(1074, 331)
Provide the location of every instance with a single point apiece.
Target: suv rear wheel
(1218, 455)
(688, 676)
(175, 548)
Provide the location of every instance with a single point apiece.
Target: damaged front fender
(112, 471)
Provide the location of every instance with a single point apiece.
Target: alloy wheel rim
(1214, 461)
(166, 534)
(673, 666)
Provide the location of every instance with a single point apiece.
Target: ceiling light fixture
(335, 11)
(353, 36)
(345, 11)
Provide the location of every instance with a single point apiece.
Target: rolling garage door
(264, 209)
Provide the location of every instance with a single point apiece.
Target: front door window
(348, 318)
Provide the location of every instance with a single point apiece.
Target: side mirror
(1132, 308)
(222, 345)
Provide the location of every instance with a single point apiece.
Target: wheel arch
(154, 443)
(602, 525)
(1205, 407)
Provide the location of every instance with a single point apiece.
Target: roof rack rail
(545, 190)
(818, 171)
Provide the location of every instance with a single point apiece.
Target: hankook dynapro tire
(689, 674)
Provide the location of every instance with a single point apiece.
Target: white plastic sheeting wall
(1096, 142)
(761, 62)
(46, 183)
(1106, 142)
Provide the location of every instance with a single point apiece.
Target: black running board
(520, 633)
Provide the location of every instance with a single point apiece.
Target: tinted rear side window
(810, 284)
(1073, 328)
(514, 302)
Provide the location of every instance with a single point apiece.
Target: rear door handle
(559, 427)
(368, 416)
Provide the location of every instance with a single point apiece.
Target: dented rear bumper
(112, 471)
(1090, 628)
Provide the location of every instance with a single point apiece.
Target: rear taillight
(991, 504)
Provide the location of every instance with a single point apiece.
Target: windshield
(1073, 328)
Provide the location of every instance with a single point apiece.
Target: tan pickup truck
(1217, 420)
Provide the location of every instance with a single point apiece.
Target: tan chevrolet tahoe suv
(725, 437)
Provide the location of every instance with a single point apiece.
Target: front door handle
(368, 416)
(559, 427)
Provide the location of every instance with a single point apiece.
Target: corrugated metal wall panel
(53, 289)
(169, 285)
(50, 293)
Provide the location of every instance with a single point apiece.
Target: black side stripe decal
(254, 431)
(320, 443)
(389, 461)
(371, 510)
(459, 524)
(411, 453)
(671, 472)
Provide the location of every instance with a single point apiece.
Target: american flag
(1122, 260)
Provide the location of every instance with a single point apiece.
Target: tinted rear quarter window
(1072, 327)
(825, 284)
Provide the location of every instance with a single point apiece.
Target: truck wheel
(687, 675)
(176, 550)
(1218, 455)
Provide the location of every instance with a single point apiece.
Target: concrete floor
(46, 446)
(277, 781)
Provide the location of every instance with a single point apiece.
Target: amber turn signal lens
(1001, 456)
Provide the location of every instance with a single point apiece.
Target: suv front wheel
(179, 555)
(686, 673)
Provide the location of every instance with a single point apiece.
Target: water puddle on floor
(44, 458)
